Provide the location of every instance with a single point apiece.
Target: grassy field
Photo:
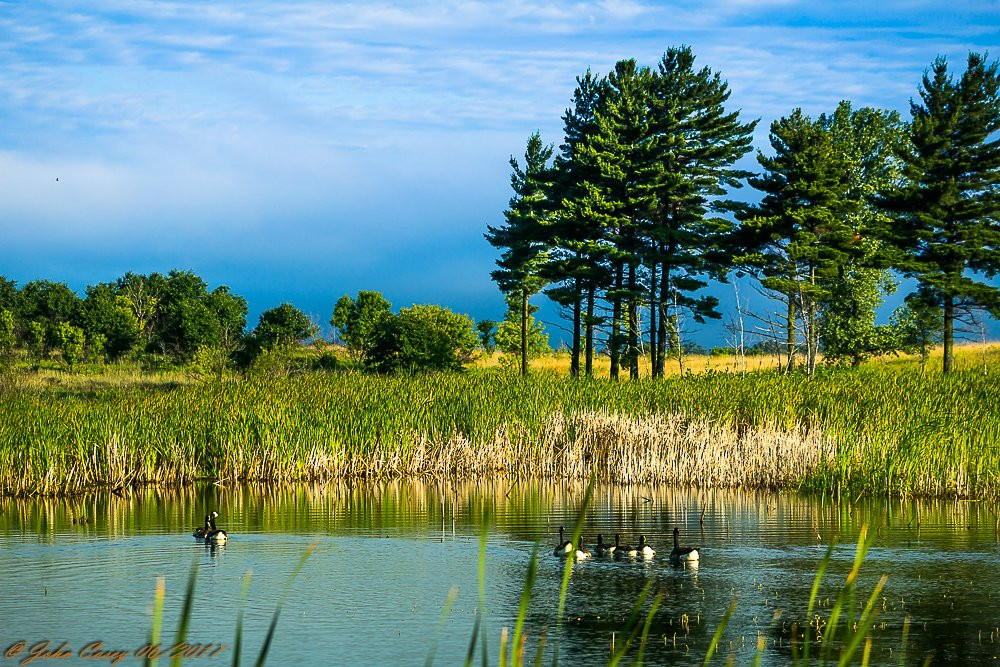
(885, 429)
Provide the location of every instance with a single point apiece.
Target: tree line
(632, 217)
(176, 317)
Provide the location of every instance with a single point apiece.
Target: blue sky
(297, 151)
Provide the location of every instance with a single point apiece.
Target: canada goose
(564, 548)
(603, 549)
(202, 531)
(645, 550)
(680, 553)
(582, 552)
(216, 535)
(624, 550)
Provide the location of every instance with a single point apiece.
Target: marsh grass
(871, 430)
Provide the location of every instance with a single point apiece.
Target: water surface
(76, 571)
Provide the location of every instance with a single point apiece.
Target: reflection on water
(84, 569)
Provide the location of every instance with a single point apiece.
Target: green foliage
(356, 319)
(486, 330)
(917, 325)
(508, 335)
(8, 294)
(108, 315)
(421, 338)
(283, 327)
(946, 217)
(71, 340)
(34, 339)
(49, 303)
(847, 320)
(8, 332)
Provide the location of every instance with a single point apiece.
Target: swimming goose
(582, 552)
(645, 550)
(680, 553)
(602, 548)
(564, 548)
(625, 550)
(216, 535)
(202, 531)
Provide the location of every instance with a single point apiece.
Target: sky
(298, 151)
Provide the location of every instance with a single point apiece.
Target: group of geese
(209, 532)
(619, 551)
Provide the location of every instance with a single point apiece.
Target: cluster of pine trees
(632, 218)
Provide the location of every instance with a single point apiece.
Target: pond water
(387, 556)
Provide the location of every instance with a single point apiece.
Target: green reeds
(877, 430)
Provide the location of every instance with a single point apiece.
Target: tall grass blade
(185, 620)
(238, 640)
(718, 632)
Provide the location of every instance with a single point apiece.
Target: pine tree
(575, 266)
(524, 237)
(697, 143)
(799, 233)
(947, 217)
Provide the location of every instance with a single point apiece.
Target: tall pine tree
(947, 217)
(523, 237)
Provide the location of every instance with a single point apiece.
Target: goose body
(200, 532)
(602, 548)
(564, 548)
(215, 535)
(680, 554)
(644, 549)
(581, 552)
(624, 550)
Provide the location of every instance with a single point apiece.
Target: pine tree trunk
(524, 333)
(614, 343)
(948, 337)
(589, 343)
(633, 324)
(574, 364)
(790, 333)
(653, 308)
(661, 342)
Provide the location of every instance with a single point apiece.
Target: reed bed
(873, 431)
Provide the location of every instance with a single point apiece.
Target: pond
(388, 557)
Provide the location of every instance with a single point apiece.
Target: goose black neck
(676, 541)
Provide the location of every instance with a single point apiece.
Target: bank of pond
(876, 431)
(398, 571)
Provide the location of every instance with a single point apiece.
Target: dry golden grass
(967, 356)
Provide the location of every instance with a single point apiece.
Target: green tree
(8, 294)
(508, 337)
(71, 340)
(355, 319)
(946, 218)
(230, 312)
(917, 325)
(8, 333)
(421, 338)
(108, 315)
(34, 339)
(51, 304)
(847, 328)
(486, 330)
(523, 236)
(575, 264)
(283, 327)
(696, 143)
(869, 141)
(799, 235)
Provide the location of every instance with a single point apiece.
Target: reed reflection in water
(84, 568)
